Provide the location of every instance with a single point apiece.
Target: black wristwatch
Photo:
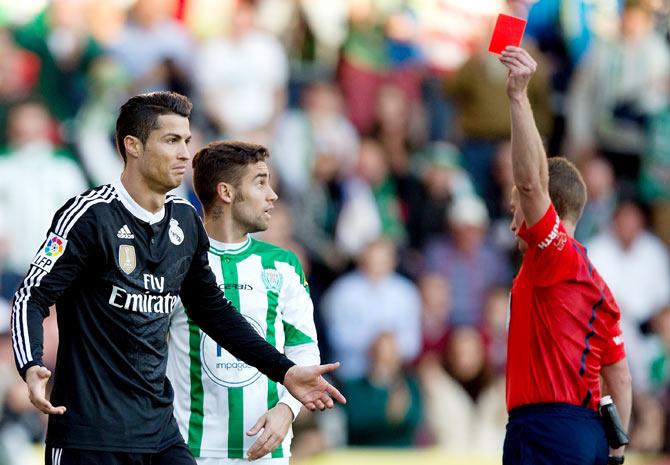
(618, 460)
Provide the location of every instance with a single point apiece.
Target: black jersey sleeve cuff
(278, 371)
(33, 363)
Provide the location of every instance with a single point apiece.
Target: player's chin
(175, 181)
(262, 224)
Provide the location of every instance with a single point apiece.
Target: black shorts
(553, 434)
(177, 454)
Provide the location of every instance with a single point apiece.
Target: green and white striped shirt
(218, 397)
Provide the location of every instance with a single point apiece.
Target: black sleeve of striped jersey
(44, 284)
(216, 316)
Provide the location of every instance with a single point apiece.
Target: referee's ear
(225, 192)
(133, 146)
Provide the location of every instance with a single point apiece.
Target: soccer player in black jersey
(115, 261)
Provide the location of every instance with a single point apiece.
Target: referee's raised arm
(529, 160)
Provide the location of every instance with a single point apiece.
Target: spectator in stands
(153, 48)
(384, 407)
(466, 259)
(368, 61)
(494, 327)
(659, 369)
(316, 212)
(501, 237)
(619, 85)
(241, 79)
(636, 266)
(37, 173)
(435, 312)
(368, 301)
(601, 198)
(464, 399)
(442, 180)
(371, 203)
(59, 38)
(319, 127)
(18, 75)
(655, 174)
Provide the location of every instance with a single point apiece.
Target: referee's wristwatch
(615, 460)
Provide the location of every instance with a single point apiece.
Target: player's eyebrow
(178, 136)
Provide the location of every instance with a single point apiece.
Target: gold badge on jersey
(127, 260)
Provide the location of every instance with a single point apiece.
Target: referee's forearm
(618, 384)
(529, 160)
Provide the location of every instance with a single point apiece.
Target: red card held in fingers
(508, 31)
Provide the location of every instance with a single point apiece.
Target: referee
(115, 262)
(564, 324)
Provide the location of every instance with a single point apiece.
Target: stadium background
(388, 125)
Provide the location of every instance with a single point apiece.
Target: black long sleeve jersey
(115, 272)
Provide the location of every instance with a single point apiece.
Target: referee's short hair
(567, 189)
(139, 115)
(222, 161)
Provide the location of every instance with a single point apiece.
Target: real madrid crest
(127, 259)
(272, 279)
(175, 232)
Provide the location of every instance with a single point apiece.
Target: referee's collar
(134, 207)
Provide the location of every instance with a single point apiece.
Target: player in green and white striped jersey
(228, 411)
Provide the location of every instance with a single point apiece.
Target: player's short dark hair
(139, 115)
(567, 189)
(223, 161)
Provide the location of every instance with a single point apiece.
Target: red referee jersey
(564, 322)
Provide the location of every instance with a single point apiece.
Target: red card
(508, 31)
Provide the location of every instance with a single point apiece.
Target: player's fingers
(513, 48)
(328, 367)
(271, 444)
(319, 404)
(335, 394)
(515, 67)
(310, 406)
(258, 448)
(525, 60)
(515, 51)
(511, 61)
(258, 426)
(328, 402)
(522, 57)
(45, 406)
(254, 449)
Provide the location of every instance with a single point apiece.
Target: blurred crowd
(388, 126)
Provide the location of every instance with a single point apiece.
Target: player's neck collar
(227, 247)
(134, 207)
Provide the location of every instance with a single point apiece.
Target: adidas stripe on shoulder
(50, 252)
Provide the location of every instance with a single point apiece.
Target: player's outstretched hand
(36, 380)
(521, 68)
(275, 424)
(306, 384)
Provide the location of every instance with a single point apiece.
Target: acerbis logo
(222, 367)
(238, 286)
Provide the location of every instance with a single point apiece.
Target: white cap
(605, 400)
(468, 210)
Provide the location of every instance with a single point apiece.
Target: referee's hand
(36, 379)
(307, 384)
(521, 67)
